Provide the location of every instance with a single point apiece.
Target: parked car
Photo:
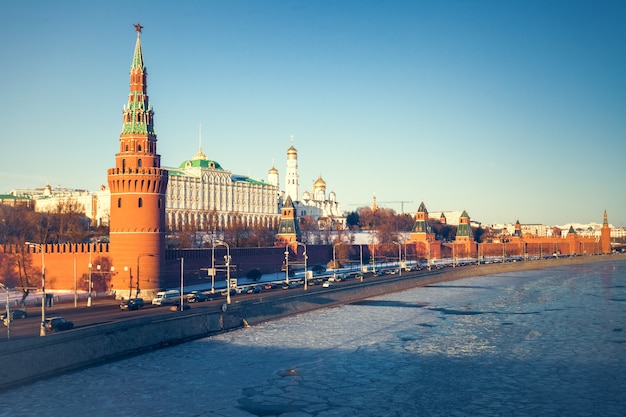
(15, 314)
(132, 304)
(58, 324)
(196, 297)
(327, 284)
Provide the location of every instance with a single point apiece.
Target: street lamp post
(42, 330)
(182, 281)
(89, 289)
(7, 320)
(399, 258)
(373, 257)
(306, 281)
(361, 257)
(287, 264)
(138, 290)
(335, 261)
(227, 259)
(130, 281)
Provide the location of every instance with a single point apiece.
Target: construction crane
(401, 202)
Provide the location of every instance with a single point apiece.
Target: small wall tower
(289, 228)
(138, 185)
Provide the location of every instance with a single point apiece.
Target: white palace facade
(206, 197)
(202, 194)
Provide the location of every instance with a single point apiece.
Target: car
(15, 314)
(132, 304)
(58, 324)
(257, 289)
(177, 307)
(196, 297)
(327, 284)
(268, 286)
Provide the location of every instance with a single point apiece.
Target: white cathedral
(326, 211)
(204, 195)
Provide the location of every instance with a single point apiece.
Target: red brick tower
(605, 235)
(138, 186)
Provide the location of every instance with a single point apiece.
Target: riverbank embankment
(26, 360)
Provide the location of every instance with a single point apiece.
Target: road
(106, 309)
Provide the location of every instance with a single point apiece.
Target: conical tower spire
(138, 114)
(138, 185)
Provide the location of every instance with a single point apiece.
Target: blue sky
(510, 110)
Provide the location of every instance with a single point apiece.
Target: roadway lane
(106, 309)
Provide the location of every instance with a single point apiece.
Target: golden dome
(319, 183)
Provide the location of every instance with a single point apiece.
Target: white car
(327, 284)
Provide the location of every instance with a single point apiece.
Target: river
(549, 342)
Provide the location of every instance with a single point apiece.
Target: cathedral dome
(292, 152)
(306, 196)
(272, 171)
(319, 183)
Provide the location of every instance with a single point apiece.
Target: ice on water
(539, 343)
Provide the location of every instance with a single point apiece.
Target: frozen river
(535, 343)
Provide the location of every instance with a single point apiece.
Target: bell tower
(138, 185)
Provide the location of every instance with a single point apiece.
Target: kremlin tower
(138, 185)
(605, 235)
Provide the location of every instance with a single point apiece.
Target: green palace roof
(201, 163)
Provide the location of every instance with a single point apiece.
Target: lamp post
(182, 281)
(75, 286)
(227, 259)
(42, 330)
(138, 290)
(361, 257)
(287, 264)
(454, 255)
(213, 269)
(373, 257)
(130, 281)
(399, 257)
(7, 321)
(335, 261)
(89, 289)
(306, 281)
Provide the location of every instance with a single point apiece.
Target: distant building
(94, 204)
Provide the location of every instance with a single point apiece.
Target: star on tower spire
(138, 27)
